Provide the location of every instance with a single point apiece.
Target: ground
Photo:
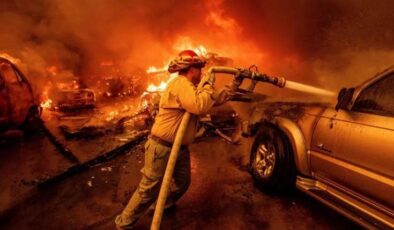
(222, 194)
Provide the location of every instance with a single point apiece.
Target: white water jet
(308, 89)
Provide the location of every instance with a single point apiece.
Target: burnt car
(342, 156)
(18, 106)
(70, 94)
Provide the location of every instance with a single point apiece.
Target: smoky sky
(313, 41)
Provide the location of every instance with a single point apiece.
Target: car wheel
(271, 160)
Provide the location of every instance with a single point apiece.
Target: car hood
(291, 110)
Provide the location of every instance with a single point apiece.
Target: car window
(8, 73)
(377, 98)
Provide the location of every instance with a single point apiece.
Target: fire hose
(239, 76)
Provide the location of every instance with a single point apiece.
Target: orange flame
(52, 70)
(153, 69)
(154, 88)
(185, 43)
(112, 115)
(47, 104)
(10, 58)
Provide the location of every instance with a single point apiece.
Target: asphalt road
(222, 196)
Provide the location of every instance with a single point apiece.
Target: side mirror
(344, 98)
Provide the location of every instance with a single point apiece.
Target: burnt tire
(271, 160)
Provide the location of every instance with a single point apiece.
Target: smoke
(329, 43)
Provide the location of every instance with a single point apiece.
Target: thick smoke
(330, 43)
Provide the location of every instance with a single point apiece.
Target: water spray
(309, 89)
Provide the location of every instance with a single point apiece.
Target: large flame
(162, 86)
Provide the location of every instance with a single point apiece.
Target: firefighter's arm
(196, 100)
(223, 96)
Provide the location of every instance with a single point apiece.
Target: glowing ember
(47, 104)
(112, 115)
(185, 43)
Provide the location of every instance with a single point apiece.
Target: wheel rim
(265, 160)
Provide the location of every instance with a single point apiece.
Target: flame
(163, 84)
(10, 58)
(52, 70)
(47, 104)
(112, 115)
(156, 88)
(153, 69)
(201, 51)
(185, 43)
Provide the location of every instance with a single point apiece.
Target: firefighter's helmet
(186, 59)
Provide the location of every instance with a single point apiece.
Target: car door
(19, 95)
(353, 150)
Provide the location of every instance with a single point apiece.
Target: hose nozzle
(280, 82)
(240, 74)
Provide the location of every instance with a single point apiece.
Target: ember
(46, 104)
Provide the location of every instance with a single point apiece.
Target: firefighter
(186, 92)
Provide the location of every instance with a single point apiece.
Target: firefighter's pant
(156, 157)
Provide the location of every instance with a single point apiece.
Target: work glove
(224, 95)
(207, 79)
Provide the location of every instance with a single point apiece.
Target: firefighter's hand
(224, 95)
(208, 79)
(230, 90)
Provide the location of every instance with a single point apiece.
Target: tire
(271, 160)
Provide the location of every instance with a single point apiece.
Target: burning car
(18, 107)
(341, 156)
(70, 94)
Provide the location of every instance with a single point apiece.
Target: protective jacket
(180, 96)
